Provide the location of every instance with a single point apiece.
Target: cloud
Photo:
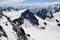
(11, 1)
(20, 3)
(15, 0)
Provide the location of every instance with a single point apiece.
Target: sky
(23, 2)
(40, 1)
(29, 1)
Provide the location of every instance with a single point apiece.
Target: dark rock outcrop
(2, 32)
(42, 13)
(50, 15)
(42, 27)
(19, 21)
(21, 35)
(57, 20)
(45, 23)
(30, 16)
(58, 25)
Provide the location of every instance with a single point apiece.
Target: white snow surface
(13, 14)
(8, 29)
(51, 32)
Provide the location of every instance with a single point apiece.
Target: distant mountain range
(50, 7)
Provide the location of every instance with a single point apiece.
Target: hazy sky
(29, 1)
(24, 2)
(40, 1)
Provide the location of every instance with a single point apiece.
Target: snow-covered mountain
(30, 24)
(54, 6)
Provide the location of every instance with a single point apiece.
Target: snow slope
(8, 29)
(51, 31)
(13, 14)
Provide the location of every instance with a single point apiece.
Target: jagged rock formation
(25, 20)
(50, 15)
(19, 21)
(19, 30)
(44, 13)
(2, 32)
(30, 16)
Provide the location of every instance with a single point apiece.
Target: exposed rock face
(19, 21)
(27, 14)
(21, 35)
(55, 9)
(1, 14)
(2, 32)
(30, 16)
(58, 25)
(57, 20)
(19, 30)
(50, 15)
(44, 13)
